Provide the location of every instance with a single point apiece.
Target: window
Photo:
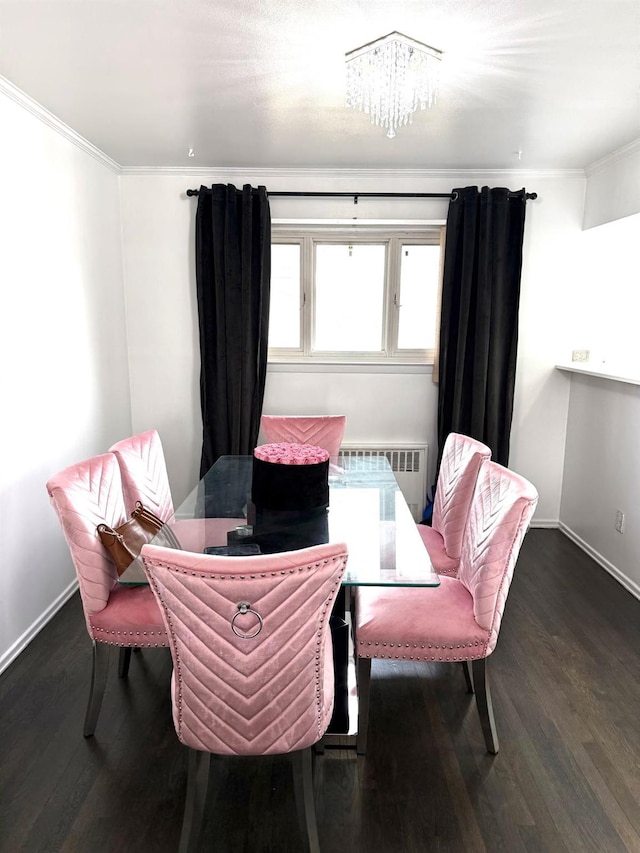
(370, 294)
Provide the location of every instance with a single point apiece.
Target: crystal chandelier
(391, 77)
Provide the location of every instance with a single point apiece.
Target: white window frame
(394, 236)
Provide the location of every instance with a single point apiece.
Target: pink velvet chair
(144, 473)
(460, 619)
(252, 660)
(462, 458)
(326, 431)
(83, 496)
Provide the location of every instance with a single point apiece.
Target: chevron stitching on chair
(144, 473)
(461, 460)
(324, 431)
(500, 513)
(94, 485)
(235, 696)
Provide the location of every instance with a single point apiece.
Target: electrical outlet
(580, 355)
(620, 521)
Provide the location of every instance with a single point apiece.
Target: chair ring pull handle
(243, 608)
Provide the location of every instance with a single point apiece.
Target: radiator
(409, 465)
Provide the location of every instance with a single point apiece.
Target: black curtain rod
(356, 196)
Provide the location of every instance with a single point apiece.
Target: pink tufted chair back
(326, 431)
(502, 506)
(83, 496)
(249, 695)
(144, 473)
(461, 460)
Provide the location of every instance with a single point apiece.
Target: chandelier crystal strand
(390, 78)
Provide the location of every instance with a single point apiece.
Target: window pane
(349, 297)
(419, 274)
(284, 311)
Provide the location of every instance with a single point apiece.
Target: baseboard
(23, 641)
(626, 582)
(545, 523)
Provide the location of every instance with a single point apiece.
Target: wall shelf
(631, 377)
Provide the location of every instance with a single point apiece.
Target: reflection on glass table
(366, 510)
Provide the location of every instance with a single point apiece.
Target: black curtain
(233, 273)
(479, 316)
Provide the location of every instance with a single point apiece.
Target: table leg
(340, 636)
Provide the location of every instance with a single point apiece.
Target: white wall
(602, 457)
(604, 319)
(64, 378)
(613, 186)
(384, 408)
(602, 474)
(158, 241)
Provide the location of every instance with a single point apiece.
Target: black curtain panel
(479, 316)
(233, 273)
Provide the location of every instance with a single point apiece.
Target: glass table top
(366, 510)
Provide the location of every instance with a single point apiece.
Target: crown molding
(269, 175)
(52, 121)
(254, 173)
(614, 157)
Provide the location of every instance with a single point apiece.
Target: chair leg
(197, 783)
(485, 708)
(466, 668)
(123, 661)
(363, 679)
(99, 669)
(305, 804)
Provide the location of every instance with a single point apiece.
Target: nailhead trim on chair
(398, 656)
(223, 577)
(424, 658)
(123, 634)
(422, 646)
(178, 669)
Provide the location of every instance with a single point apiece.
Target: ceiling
(531, 84)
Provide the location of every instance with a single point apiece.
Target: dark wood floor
(566, 686)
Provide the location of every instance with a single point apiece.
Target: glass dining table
(367, 511)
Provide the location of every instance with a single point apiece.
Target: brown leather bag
(124, 543)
